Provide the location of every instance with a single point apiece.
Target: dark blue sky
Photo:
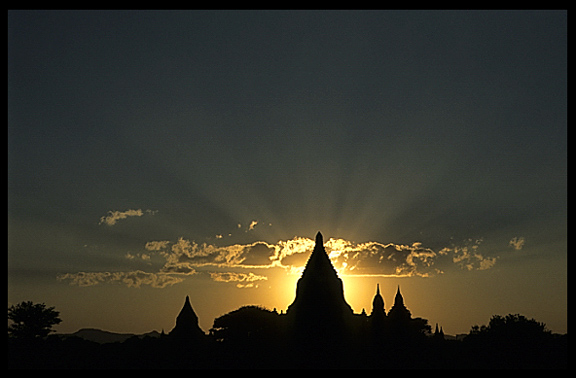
(394, 126)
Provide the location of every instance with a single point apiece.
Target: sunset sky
(158, 154)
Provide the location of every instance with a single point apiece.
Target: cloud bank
(236, 263)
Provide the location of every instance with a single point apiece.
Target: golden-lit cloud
(243, 280)
(349, 258)
(468, 257)
(138, 256)
(236, 277)
(156, 245)
(115, 216)
(258, 254)
(185, 257)
(178, 268)
(252, 225)
(517, 243)
(131, 279)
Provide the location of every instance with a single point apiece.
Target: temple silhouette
(187, 324)
(320, 325)
(319, 310)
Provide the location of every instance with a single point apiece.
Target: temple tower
(319, 291)
(378, 304)
(187, 323)
(319, 319)
(399, 312)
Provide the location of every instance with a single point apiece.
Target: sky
(158, 154)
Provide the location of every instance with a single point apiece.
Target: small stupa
(187, 323)
(378, 305)
(399, 312)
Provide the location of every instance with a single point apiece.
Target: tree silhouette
(249, 337)
(512, 341)
(512, 330)
(31, 321)
(247, 324)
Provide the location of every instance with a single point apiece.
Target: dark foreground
(167, 353)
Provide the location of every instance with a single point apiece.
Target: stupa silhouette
(319, 310)
(187, 327)
(399, 312)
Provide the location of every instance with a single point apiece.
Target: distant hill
(103, 337)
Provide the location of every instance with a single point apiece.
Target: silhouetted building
(377, 319)
(438, 334)
(376, 330)
(378, 305)
(319, 292)
(187, 324)
(399, 312)
(319, 319)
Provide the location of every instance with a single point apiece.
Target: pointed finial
(319, 240)
(377, 288)
(398, 300)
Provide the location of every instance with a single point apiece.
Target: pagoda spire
(378, 304)
(399, 310)
(319, 305)
(319, 264)
(438, 334)
(187, 323)
(398, 300)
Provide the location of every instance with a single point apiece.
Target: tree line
(255, 337)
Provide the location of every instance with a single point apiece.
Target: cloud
(115, 216)
(196, 254)
(245, 281)
(374, 258)
(142, 256)
(468, 257)
(156, 245)
(350, 258)
(131, 279)
(258, 254)
(186, 258)
(236, 277)
(178, 268)
(517, 243)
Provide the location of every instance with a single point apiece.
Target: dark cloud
(373, 258)
(259, 254)
(297, 259)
